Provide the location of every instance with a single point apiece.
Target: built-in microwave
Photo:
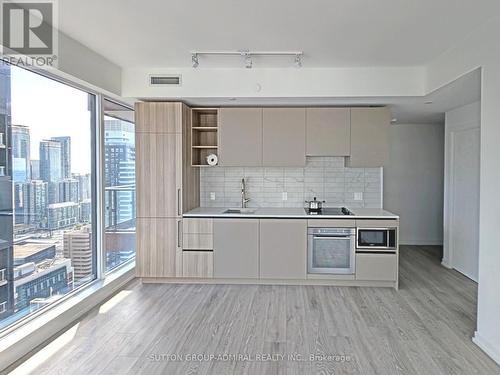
(376, 238)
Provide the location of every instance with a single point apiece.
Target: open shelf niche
(204, 135)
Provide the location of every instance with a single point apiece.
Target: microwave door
(375, 238)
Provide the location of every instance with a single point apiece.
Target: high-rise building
(85, 211)
(69, 190)
(21, 168)
(35, 169)
(6, 206)
(43, 280)
(33, 251)
(119, 164)
(83, 185)
(65, 155)
(30, 202)
(62, 215)
(77, 246)
(50, 161)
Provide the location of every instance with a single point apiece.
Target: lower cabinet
(236, 248)
(376, 267)
(283, 249)
(198, 264)
(158, 250)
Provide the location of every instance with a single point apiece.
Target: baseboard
(490, 350)
(445, 264)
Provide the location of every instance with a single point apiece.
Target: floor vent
(165, 80)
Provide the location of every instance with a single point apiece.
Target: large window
(119, 180)
(47, 191)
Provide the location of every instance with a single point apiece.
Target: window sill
(21, 339)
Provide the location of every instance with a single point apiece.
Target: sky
(52, 109)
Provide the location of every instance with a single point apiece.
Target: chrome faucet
(244, 199)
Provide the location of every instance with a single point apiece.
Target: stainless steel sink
(240, 211)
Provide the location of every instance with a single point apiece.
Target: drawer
(331, 223)
(197, 241)
(373, 223)
(376, 267)
(198, 264)
(195, 225)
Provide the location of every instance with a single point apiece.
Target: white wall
(482, 49)
(86, 66)
(413, 182)
(277, 83)
(461, 216)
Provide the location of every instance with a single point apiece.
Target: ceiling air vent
(165, 80)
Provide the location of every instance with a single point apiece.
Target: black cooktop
(334, 211)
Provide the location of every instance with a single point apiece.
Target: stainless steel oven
(376, 238)
(331, 250)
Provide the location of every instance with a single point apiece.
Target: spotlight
(248, 60)
(298, 61)
(194, 60)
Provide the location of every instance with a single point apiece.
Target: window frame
(97, 196)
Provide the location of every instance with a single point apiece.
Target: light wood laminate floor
(424, 328)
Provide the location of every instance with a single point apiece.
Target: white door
(465, 201)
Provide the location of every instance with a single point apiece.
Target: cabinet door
(284, 137)
(158, 117)
(369, 137)
(283, 249)
(158, 250)
(158, 174)
(197, 264)
(376, 267)
(236, 248)
(328, 131)
(240, 136)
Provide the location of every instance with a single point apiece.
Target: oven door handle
(332, 237)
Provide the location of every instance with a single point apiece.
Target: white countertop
(289, 213)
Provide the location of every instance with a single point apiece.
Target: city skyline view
(51, 109)
(48, 246)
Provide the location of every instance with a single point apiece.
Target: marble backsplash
(323, 177)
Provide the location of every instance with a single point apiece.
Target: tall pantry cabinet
(166, 186)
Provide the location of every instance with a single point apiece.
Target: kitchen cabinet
(159, 117)
(369, 137)
(197, 234)
(197, 264)
(236, 248)
(376, 267)
(158, 174)
(284, 137)
(328, 131)
(240, 135)
(283, 249)
(158, 244)
(166, 185)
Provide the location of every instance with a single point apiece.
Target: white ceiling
(427, 109)
(160, 33)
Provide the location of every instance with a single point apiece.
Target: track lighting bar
(247, 56)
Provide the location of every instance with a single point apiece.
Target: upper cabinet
(240, 137)
(328, 131)
(284, 137)
(369, 137)
(159, 117)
